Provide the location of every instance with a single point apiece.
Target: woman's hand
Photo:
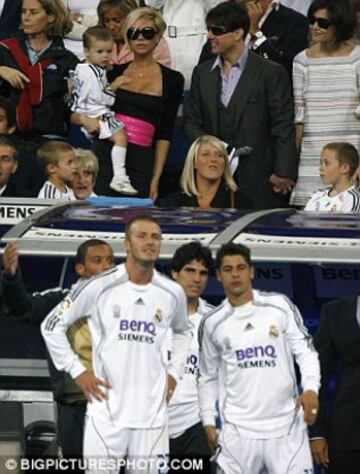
(154, 188)
(119, 82)
(15, 78)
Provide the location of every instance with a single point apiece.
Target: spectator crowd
(139, 83)
(265, 97)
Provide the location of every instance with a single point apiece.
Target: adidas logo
(140, 301)
(248, 327)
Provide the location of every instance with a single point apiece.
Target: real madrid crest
(158, 315)
(273, 331)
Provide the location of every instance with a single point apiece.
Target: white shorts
(289, 454)
(107, 446)
(109, 124)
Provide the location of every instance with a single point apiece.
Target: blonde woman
(206, 180)
(112, 14)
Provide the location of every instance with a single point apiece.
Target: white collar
(274, 5)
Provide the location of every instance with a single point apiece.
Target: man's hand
(211, 436)
(11, 259)
(281, 185)
(90, 384)
(154, 188)
(310, 403)
(171, 385)
(320, 452)
(255, 12)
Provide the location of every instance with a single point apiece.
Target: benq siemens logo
(137, 331)
(256, 357)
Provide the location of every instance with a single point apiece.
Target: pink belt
(138, 131)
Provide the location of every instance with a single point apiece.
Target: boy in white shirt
(56, 159)
(94, 97)
(339, 162)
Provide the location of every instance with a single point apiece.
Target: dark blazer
(14, 189)
(264, 121)
(10, 18)
(338, 344)
(286, 34)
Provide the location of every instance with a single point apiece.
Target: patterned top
(50, 191)
(326, 93)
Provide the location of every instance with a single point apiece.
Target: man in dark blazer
(276, 32)
(8, 166)
(335, 438)
(245, 101)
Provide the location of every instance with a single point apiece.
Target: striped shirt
(50, 191)
(326, 94)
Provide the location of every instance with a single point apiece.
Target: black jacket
(14, 189)
(222, 199)
(10, 18)
(52, 115)
(20, 305)
(338, 344)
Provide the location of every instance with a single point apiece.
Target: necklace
(142, 71)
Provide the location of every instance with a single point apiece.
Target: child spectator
(86, 171)
(93, 97)
(338, 164)
(7, 116)
(8, 166)
(56, 158)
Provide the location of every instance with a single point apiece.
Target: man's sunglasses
(323, 23)
(147, 33)
(218, 30)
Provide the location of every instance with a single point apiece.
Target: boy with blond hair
(339, 162)
(56, 159)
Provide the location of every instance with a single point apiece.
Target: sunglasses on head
(218, 30)
(147, 33)
(322, 23)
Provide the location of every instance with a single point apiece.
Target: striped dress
(327, 98)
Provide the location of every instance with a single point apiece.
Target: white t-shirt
(91, 92)
(301, 6)
(347, 201)
(50, 191)
(88, 11)
(128, 323)
(250, 348)
(183, 409)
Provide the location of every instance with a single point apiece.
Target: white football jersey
(183, 409)
(347, 201)
(50, 191)
(91, 92)
(250, 348)
(128, 323)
